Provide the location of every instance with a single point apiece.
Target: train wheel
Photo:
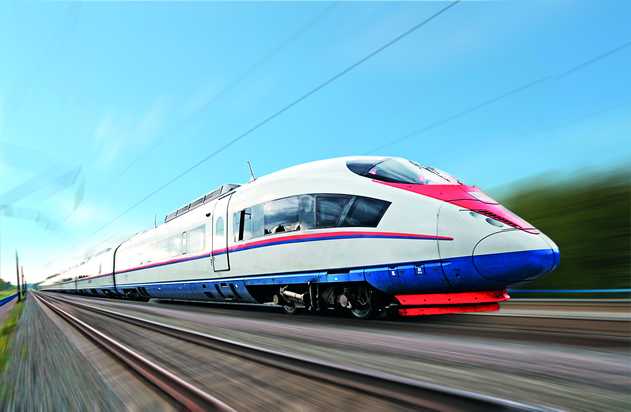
(363, 312)
(290, 310)
(364, 307)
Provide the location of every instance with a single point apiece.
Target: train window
(329, 208)
(219, 226)
(196, 239)
(184, 243)
(258, 221)
(162, 250)
(307, 212)
(281, 215)
(365, 212)
(175, 246)
(243, 225)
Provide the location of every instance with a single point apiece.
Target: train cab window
(365, 212)
(397, 170)
(281, 215)
(329, 208)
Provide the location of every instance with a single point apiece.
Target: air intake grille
(498, 218)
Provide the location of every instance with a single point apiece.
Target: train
(371, 236)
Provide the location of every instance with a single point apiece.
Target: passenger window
(328, 209)
(258, 221)
(184, 243)
(365, 212)
(243, 225)
(281, 215)
(307, 212)
(163, 249)
(175, 246)
(196, 239)
(236, 228)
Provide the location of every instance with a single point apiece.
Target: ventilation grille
(498, 218)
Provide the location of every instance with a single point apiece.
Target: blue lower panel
(489, 272)
(425, 277)
(233, 290)
(449, 275)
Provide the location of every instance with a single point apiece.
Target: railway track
(403, 391)
(185, 394)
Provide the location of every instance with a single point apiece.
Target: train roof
(334, 166)
(221, 190)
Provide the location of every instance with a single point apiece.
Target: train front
(492, 248)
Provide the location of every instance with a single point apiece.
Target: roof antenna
(155, 221)
(252, 178)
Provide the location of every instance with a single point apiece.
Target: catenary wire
(462, 113)
(450, 118)
(295, 102)
(260, 63)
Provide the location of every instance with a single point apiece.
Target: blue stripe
(8, 299)
(157, 265)
(315, 239)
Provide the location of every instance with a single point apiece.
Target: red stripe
(330, 234)
(459, 195)
(453, 298)
(93, 277)
(162, 263)
(439, 310)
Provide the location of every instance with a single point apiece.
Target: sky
(111, 112)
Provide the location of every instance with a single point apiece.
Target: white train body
(361, 233)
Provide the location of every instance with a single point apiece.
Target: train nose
(515, 256)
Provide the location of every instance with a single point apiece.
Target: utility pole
(17, 268)
(23, 283)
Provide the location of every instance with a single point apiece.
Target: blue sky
(102, 103)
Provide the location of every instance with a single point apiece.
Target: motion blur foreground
(373, 235)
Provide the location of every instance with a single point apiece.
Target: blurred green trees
(5, 285)
(588, 217)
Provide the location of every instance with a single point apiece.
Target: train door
(220, 235)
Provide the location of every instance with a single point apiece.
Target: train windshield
(396, 170)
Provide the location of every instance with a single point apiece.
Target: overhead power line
(289, 106)
(455, 116)
(450, 118)
(595, 59)
(530, 133)
(260, 63)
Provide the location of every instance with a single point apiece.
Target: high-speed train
(372, 235)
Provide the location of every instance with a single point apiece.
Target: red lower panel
(437, 310)
(453, 298)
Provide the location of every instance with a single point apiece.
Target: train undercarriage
(360, 299)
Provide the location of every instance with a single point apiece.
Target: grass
(6, 334)
(8, 292)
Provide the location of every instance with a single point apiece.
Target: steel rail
(399, 389)
(187, 395)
